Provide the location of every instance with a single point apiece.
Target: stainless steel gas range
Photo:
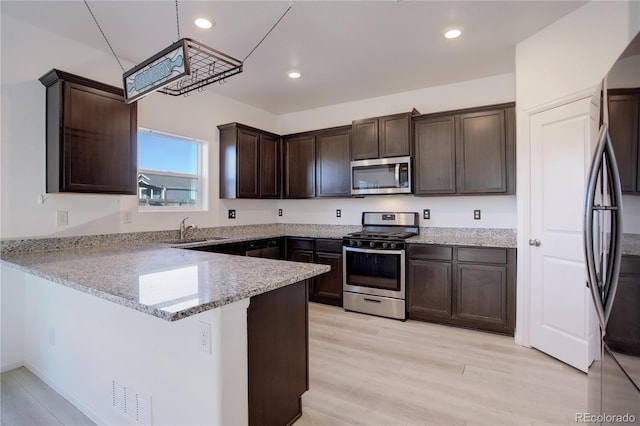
(374, 264)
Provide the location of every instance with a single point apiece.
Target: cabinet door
(395, 135)
(365, 139)
(299, 167)
(481, 294)
(429, 288)
(332, 164)
(100, 142)
(435, 156)
(481, 159)
(623, 128)
(269, 167)
(248, 163)
(327, 288)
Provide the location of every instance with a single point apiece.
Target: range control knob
(352, 243)
(372, 244)
(359, 243)
(393, 245)
(385, 245)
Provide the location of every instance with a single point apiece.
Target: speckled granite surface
(483, 237)
(166, 282)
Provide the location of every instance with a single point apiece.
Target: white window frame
(202, 176)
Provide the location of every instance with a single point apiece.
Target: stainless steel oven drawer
(374, 305)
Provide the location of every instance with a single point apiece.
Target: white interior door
(562, 316)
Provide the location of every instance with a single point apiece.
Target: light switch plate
(62, 218)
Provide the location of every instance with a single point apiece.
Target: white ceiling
(345, 50)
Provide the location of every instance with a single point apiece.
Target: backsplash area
(445, 212)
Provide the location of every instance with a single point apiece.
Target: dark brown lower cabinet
(431, 294)
(466, 286)
(278, 351)
(325, 288)
(623, 329)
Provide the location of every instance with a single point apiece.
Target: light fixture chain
(269, 32)
(177, 20)
(104, 36)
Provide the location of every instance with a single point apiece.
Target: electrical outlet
(62, 218)
(338, 213)
(232, 214)
(279, 212)
(476, 214)
(426, 214)
(204, 337)
(127, 216)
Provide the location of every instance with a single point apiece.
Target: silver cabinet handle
(536, 243)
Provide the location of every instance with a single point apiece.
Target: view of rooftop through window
(169, 171)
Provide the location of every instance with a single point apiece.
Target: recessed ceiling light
(203, 23)
(454, 33)
(294, 74)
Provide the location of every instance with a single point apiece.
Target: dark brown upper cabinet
(332, 162)
(249, 162)
(435, 155)
(299, 166)
(380, 137)
(91, 136)
(316, 163)
(624, 129)
(465, 152)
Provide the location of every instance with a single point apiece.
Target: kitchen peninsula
(190, 338)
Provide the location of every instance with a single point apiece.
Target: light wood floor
(27, 400)
(374, 371)
(367, 370)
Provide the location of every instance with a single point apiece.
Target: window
(170, 171)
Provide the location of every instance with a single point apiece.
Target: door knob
(535, 243)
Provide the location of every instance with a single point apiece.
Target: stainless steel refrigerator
(614, 382)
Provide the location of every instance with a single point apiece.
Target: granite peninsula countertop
(152, 273)
(169, 283)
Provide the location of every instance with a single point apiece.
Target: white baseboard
(12, 366)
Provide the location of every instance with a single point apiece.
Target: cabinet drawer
(482, 255)
(328, 246)
(419, 251)
(300, 244)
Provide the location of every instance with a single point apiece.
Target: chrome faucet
(184, 229)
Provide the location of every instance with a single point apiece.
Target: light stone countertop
(169, 283)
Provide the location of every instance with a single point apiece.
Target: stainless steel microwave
(381, 176)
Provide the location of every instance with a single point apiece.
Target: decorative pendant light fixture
(184, 66)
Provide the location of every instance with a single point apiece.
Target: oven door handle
(373, 251)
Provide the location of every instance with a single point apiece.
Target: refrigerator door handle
(604, 171)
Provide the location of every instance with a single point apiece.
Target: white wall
(157, 359)
(27, 54)
(497, 211)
